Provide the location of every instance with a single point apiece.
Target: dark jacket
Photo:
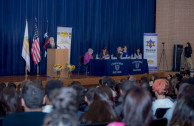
(188, 52)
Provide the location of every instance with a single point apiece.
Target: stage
(86, 81)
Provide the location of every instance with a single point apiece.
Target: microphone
(59, 47)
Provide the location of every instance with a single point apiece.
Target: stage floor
(85, 80)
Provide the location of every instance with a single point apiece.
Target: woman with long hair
(100, 110)
(183, 114)
(137, 108)
(138, 54)
(187, 54)
(104, 54)
(10, 101)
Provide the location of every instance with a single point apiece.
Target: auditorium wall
(174, 25)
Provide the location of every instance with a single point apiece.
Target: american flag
(35, 51)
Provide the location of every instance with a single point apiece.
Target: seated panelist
(125, 53)
(88, 56)
(118, 53)
(138, 55)
(104, 54)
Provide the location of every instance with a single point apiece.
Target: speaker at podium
(177, 57)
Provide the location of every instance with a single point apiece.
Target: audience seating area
(146, 101)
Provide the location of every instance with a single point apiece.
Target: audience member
(38, 83)
(160, 88)
(10, 101)
(80, 91)
(190, 80)
(183, 114)
(118, 93)
(106, 80)
(185, 90)
(154, 77)
(31, 100)
(2, 85)
(89, 97)
(137, 108)
(169, 76)
(11, 84)
(132, 79)
(50, 86)
(64, 108)
(125, 86)
(101, 110)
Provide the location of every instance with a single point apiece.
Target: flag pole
(26, 73)
(37, 71)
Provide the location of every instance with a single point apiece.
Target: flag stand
(37, 71)
(26, 73)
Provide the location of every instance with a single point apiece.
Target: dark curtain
(95, 23)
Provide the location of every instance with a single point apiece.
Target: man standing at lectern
(50, 44)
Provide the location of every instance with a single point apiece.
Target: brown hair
(101, 110)
(137, 107)
(183, 114)
(10, 101)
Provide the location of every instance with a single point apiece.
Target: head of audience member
(154, 77)
(117, 89)
(65, 108)
(146, 86)
(186, 74)
(169, 76)
(180, 77)
(10, 101)
(64, 99)
(185, 90)
(89, 96)
(11, 84)
(137, 107)
(50, 86)
(190, 80)
(144, 79)
(100, 82)
(183, 114)
(106, 80)
(132, 78)
(2, 85)
(119, 49)
(80, 91)
(90, 51)
(100, 106)
(31, 97)
(160, 88)
(52, 42)
(38, 83)
(60, 119)
(125, 48)
(127, 85)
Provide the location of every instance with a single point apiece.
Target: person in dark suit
(32, 101)
(51, 44)
(118, 53)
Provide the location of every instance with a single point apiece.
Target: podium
(57, 56)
